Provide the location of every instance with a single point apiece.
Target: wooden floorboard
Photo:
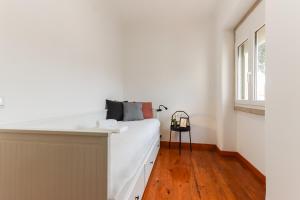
(201, 175)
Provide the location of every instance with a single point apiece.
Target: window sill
(255, 111)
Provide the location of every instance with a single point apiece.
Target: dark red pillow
(147, 110)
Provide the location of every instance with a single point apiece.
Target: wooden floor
(201, 175)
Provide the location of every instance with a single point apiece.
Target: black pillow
(114, 110)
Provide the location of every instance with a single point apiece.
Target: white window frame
(256, 102)
(238, 44)
(247, 32)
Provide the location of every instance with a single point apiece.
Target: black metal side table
(183, 125)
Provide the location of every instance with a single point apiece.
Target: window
(251, 69)
(260, 64)
(250, 61)
(242, 79)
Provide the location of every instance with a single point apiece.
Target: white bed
(129, 150)
(83, 163)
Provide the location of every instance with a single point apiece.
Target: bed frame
(63, 165)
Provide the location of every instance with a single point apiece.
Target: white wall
(251, 139)
(251, 128)
(57, 58)
(172, 64)
(227, 16)
(236, 131)
(283, 97)
(226, 128)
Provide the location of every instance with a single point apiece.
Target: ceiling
(156, 10)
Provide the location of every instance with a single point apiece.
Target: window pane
(260, 77)
(242, 73)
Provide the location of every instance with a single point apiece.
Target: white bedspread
(128, 151)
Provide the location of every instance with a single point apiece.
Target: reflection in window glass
(260, 68)
(242, 82)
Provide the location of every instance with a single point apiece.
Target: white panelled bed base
(53, 166)
(46, 165)
(135, 190)
(65, 164)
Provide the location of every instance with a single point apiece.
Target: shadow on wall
(203, 129)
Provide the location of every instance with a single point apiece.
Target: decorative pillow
(147, 110)
(132, 111)
(114, 110)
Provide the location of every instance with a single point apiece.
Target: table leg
(180, 142)
(170, 139)
(190, 141)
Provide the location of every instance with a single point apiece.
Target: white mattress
(128, 151)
